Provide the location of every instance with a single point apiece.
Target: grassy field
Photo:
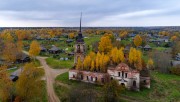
(58, 64)
(164, 88)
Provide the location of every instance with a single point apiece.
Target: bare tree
(161, 60)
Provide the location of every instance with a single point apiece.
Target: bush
(175, 70)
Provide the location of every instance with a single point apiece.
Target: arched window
(78, 49)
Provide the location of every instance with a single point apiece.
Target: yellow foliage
(87, 63)
(105, 44)
(137, 40)
(71, 35)
(10, 51)
(19, 45)
(138, 63)
(31, 77)
(150, 63)
(173, 38)
(79, 64)
(20, 34)
(92, 65)
(5, 84)
(34, 49)
(135, 58)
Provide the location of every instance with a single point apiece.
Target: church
(130, 78)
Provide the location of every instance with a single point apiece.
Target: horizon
(101, 13)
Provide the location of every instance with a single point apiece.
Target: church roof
(79, 38)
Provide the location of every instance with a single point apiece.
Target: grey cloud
(66, 12)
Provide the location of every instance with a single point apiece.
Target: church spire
(79, 38)
(80, 22)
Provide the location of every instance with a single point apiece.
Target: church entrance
(122, 84)
(134, 83)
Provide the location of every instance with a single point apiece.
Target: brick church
(125, 75)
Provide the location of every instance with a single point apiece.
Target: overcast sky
(65, 13)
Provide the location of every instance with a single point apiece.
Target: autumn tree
(176, 48)
(105, 44)
(174, 38)
(137, 40)
(138, 61)
(79, 64)
(10, 51)
(112, 91)
(29, 84)
(150, 63)
(117, 55)
(87, 63)
(71, 35)
(123, 34)
(7, 37)
(92, 66)
(5, 85)
(34, 49)
(135, 58)
(51, 33)
(19, 46)
(20, 34)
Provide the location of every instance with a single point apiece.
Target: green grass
(44, 92)
(160, 48)
(12, 70)
(64, 78)
(164, 88)
(62, 92)
(90, 40)
(58, 64)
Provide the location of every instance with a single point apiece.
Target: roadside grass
(58, 64)
(44, 92)
(12, 70)
(64, 78)
(36, 63)
(62, 92)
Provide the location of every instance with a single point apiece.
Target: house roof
(147, 46)
(54, 48)
(21, 56)
(175, 63)
(42, 47)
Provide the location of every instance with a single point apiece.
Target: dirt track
(50, 75)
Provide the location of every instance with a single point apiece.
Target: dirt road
(50, 75)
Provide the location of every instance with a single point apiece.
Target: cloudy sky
(65, 13)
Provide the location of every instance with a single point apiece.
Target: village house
(118, 39)
(147, 48)
(125, 75)
(54, 50)
(22, 58)
(43, 49)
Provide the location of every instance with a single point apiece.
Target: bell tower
(79, 45)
